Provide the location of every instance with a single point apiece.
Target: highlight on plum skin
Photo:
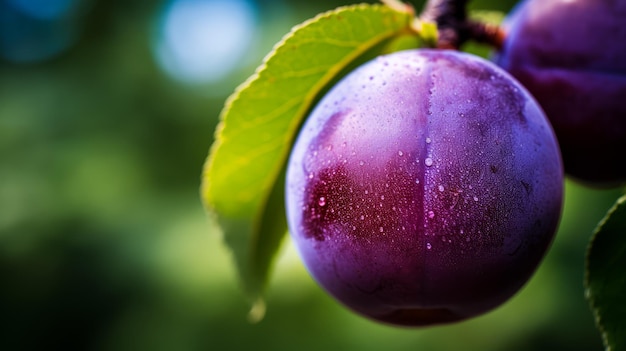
(571, 55)
(424, 188)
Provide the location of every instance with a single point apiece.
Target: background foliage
(104, 244)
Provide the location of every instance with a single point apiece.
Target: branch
(454, 26)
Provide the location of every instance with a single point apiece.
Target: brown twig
(455, 28)
(487, 33)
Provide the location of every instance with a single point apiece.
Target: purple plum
(571, 55)
(424, 188)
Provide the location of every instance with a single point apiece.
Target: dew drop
(431, 214)
(367, 192)
(429, 246)
(475, 198)
(400, 153)
(381, 229)
(382, 197)
(311, 175)
(322, 201)
(329, 147)
(441, 188)
(428, 161)
(361, 163)
(428, 140)
(417, 181)
(362, 217)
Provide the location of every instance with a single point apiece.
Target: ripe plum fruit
(424, 188)
(571, 55)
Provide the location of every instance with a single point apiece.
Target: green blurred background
(107, 111)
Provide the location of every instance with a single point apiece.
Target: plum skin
(424, 188)
(571, 55)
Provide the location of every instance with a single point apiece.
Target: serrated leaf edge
(306, 101)
(588, 293)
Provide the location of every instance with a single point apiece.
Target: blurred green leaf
(487, 16)
(242, 182)
(605, 281)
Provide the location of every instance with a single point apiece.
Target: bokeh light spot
(202, 41)
(45, 9)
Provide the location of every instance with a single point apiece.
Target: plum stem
(454, 26)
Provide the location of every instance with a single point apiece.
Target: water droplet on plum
(322, 201)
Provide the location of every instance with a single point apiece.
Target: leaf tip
(257, 312)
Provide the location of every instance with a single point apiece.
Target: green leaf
(487, 16)
(243, 177)
(605, 279)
